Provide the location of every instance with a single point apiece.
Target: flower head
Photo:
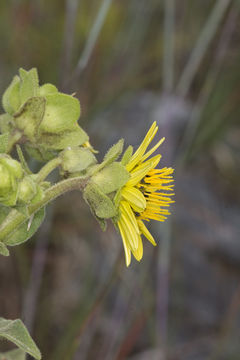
(145, 196)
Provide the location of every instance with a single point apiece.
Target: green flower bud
(10, 174)
(77, 159)
(27, 189)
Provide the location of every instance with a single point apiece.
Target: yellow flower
(145, 196)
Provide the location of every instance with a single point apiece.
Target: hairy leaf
(16, 332)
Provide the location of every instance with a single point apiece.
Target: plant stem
(48, 168)
(15, 218)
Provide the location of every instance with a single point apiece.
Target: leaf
(16, 332)
(4, 142)
(62, 112)
(30, 116)
(11, 99)
(3, 250)
(29, 86)
(16, 354)
(23, 232)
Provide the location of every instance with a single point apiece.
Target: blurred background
(132, 62)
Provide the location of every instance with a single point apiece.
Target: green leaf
(4, 142)
(16, 332)
(111, 178)
(11, 98)
(3, 250)
(62, 112)
(29, 86)
(25, 230)
(16, 354)
(30, 116)
(100, 204)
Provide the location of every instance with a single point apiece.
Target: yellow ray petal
(125, 208)
(142, 148)
(141, 170)
(139, 252)
(146, 233)
(130, 232)
(134, 197)
(126, 247)
(150, 152)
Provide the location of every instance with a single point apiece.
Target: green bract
(10, 174)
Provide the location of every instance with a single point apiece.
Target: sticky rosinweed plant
(126, 189)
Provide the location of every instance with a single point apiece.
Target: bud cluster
(16, 187)
(44, 118)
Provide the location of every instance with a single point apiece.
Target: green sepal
(62, 112)
(16, 354)
(4, 142)
(29, 117)
(3, 249)
(6, 123)
(16, 332)
(127, 155)
(26, 230)
(11, 97)
(100, 204)
(29, 85)
(47, 89)
(76, 159)
(111, 178)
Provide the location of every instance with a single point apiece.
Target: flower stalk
(15, 218)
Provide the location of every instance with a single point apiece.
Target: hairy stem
(48, 168)
(15, 218)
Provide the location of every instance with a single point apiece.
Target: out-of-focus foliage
(183, 299)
